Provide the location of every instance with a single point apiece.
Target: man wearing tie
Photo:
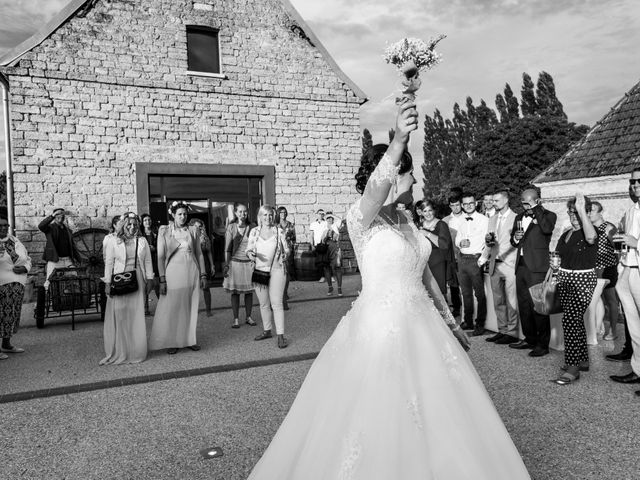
(470, 240)
(531, 235)
(501, 256)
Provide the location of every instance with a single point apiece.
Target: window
(203, 50)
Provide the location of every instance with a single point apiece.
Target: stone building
(120, 105)
(598, 165)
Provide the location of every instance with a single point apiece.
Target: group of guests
(325, 234)
(513, 249)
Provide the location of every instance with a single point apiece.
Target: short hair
(319, 211)
(504, 193)
(597, 204)
(467, 195)
(454, 198)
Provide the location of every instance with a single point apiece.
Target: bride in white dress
(392, 395)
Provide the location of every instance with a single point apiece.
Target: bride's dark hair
(370, 159)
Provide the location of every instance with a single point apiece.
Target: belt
(469, 255)
(498, 260)
(577, 271)
(630, 266)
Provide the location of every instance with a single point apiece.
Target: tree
(513, 111)
(528, 103)
(367, 140)
(548, 103)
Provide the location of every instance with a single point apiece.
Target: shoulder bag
(260, 277)
(546, 300)
(126, 282)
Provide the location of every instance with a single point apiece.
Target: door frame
(144, 169)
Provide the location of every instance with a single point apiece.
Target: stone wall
(611, 191)
(109, 89)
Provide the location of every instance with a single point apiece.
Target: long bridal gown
(392, 395)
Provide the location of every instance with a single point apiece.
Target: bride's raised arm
(380, 182)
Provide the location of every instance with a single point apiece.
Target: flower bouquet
(410, 56)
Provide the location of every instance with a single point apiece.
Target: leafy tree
(548, 103)
(528, 103)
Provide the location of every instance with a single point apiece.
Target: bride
(392, 395)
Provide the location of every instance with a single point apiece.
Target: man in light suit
(501, 255)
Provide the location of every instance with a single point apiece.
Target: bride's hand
(462, 338)
(406, 122)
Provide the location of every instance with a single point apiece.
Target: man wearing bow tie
(470, 238)
(531, 235)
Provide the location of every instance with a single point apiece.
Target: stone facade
(611, 191)
(109, 88)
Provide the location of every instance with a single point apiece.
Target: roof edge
(14, 55)
(325, 53)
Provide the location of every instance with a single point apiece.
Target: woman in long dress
(125, 332)
(392, 395)
(182, 275)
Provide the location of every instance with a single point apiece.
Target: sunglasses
(633, 181)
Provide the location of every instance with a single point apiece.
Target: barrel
(304, 262)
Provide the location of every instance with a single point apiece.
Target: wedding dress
(392, 395)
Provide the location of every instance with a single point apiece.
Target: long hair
(123, 222)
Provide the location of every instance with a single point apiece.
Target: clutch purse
(260, 277)
(546, 300)
(126, 282)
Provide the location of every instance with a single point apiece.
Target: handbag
(546, 300)
(126, 282)
(322, 248)
(260, 277)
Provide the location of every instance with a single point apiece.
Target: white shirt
(474, 230)
(318, 229)
(490, 213)
(632, 227)
(526, 221)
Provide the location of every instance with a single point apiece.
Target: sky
(588, 46)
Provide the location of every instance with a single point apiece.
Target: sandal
(172, 351)
(250, 322)
(263, 336)
(235, 324)
(282, 342)
(566, 379)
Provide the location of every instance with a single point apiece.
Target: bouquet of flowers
(410, 56)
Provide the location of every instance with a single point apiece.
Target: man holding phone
(531, 235)
(59, 251)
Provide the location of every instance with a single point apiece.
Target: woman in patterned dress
(14, 266)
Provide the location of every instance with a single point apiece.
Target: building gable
(612, 146)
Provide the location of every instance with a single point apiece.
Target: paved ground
(155, 428)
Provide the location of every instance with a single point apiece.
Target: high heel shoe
(566, 378)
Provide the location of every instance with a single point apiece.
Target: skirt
(10, 307)
(239, 278)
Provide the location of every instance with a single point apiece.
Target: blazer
(115, 255)
(168, 246)
(503, 250)
(233, 238)
(536, 239)
(54, 232)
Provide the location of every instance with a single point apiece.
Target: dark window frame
(206, 30)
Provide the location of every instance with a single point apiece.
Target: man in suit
(531, 235)
(59, 251)
(455, 204)
(470, 240)
(501, 256)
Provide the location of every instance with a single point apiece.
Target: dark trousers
(472, 283)
(452, 280)
(536, 327)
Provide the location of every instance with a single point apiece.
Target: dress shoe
(539, 352)
(495, 338)
(619, 357)
(263, 336)
(566, 379)
(507, 340)
(521, 345)
(282, 342)
(479, 331)
(466, 326)
(628, 378)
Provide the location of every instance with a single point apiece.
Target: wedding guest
(317, 229)
(455, 204)
(437, 232)
(578, 249)
(628, 287)
(151, 236)
(237, 267)
(15, 263)
(207, 254)
(59, 251)
(125, 332)
(606, 266)
(531, 235)
(488, 208)
(182, 275)
(268, 249)
(470, 241)
(110, 237)
(501, 256)
(290, 237)
(330, 260)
